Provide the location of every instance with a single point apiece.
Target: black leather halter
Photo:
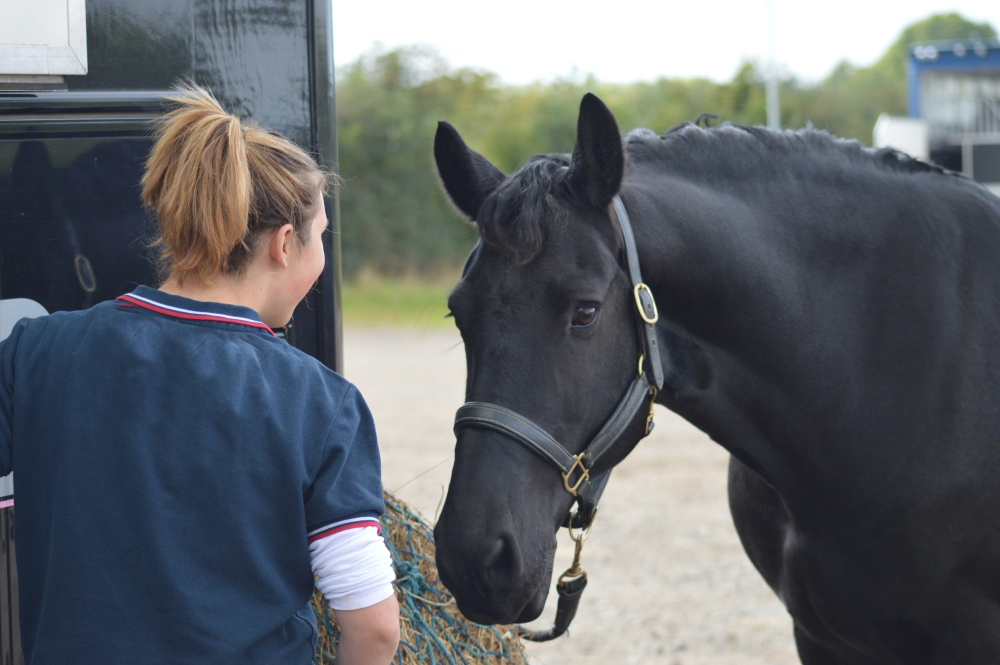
(575, 469)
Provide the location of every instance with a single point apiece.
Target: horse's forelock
(518, 217)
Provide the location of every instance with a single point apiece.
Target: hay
(432, 630)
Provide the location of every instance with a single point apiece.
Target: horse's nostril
(503, 560)
(495, 554)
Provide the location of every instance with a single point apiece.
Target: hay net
(432, 630)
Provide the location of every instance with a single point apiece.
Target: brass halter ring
(578, 536)
(581, 534)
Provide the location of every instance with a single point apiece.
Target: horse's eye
(585, 316)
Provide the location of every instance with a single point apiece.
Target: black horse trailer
(80, 81)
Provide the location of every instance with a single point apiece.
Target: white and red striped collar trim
(191, 314)
(343, 525)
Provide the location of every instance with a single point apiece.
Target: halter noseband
(575, 469)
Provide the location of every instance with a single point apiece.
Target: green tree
(892, 65)
(396, 219)
(850, 100)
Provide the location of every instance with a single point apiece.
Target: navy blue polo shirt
(173, 458)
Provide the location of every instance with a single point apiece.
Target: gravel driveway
(669, 582)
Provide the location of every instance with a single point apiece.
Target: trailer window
(72, 228)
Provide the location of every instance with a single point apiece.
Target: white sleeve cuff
(353, 568)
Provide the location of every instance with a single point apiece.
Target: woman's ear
(280, 244)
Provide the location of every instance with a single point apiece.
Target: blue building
(954, 90)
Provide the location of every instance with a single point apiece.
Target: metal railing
(955, 103)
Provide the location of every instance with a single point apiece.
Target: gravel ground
(669, 582)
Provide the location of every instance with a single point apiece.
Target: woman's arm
(354, 572)
(370, 635)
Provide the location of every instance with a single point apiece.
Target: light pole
(771, 73)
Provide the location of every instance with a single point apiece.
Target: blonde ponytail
(217, 183)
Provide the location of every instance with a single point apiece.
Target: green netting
(432, 631)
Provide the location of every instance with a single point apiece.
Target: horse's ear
(467, 176)
(598, 162)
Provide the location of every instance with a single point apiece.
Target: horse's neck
(744, 257)
(712, 257)
(746, 293)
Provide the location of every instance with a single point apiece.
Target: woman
(182, 473)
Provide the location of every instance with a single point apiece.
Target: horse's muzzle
(488, 575)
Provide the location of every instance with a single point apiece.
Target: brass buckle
(585, 475)
(650, 303)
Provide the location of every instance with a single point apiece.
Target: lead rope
(569, 588)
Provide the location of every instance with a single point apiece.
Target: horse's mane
(517, 218)
(731, 144)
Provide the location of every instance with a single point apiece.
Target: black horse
(828, 313)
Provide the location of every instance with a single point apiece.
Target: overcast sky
(637, 40)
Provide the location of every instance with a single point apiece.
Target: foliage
(892, 65)
(394, 215)
(395, 218)
(413, 301)
(850, 100)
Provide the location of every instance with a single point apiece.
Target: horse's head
(546, 310)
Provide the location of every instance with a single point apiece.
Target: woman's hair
(217, 183)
